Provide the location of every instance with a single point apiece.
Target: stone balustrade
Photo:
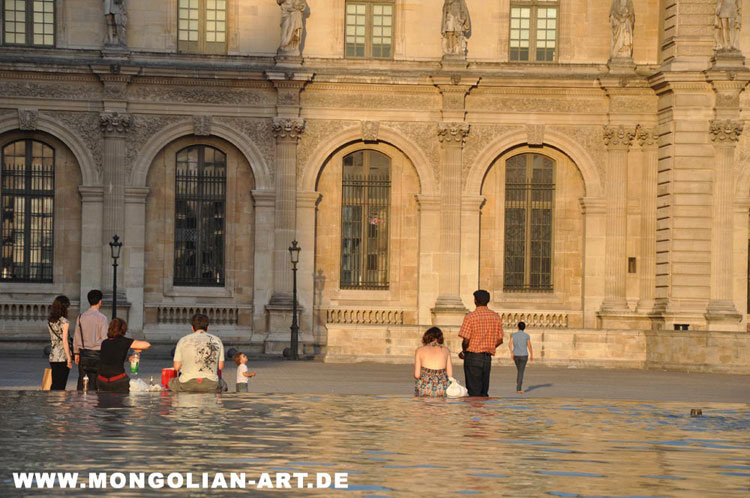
(364, 316)
(181, 314)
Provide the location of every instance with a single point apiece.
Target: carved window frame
(202, 45)
(29, 24)
(369, 27)
(36, 195)
(534, 196)
(534, 6)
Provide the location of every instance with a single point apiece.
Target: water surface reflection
(390, 445)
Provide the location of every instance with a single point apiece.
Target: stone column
(287, 132)
(449, 308)
(648, 138)
(470, 233)
(265, 201)
(307, 205)
(594, 227)
(134, 260)
(721, 311)
(741, 237)
(115, 126)
(429, 255)
(618, 141)
(92, 202)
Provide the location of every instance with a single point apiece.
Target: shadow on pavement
(538, 386)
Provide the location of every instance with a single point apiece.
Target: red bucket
(166, 375)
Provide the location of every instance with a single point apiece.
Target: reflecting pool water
(389, 445)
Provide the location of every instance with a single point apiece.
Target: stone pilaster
(594, 220)
(648, 139)
(618, 140)
(449, 308)
(114, 126)
(471, 207)
(134, 260)
(287, 132)
(429, 254)
(721, 311)
(264, 203)
(92, 202)
(307, 206)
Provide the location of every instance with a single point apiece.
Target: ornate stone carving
(369, 98)
(370, 130)
(545, 103)
(27, 119)
(422, 136)
(726, 131)
(727, 25)
(63, 89)
(453, 132)
(455, 26)
(481, 136)
(535, 134)
(142, 129)
(622, 22)
(202, 125)
(647, 137)
(116, 17)
(619, 136)
(291, 26)
(114, 122)
(139, 91)
(85, 125)
(317, 132)
(590, 138)
(258, 131)
(288, 128)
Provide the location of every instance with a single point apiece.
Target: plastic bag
(456, 390)
(138, 386)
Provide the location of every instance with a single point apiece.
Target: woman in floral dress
(432, 365)
(59, 357)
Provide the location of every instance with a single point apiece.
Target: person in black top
(114, 352)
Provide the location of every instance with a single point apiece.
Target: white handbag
(456, 390)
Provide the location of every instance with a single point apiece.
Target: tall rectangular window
(29, 22)
(529, 202)
(28, 201)
(200, 207)
(533, 30)
(202, 26)
(369, 29)
(365, 205)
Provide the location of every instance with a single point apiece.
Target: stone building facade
(582, 160)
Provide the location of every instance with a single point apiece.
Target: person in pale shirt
(240, 359)
(197, 358)
(91, 330)
(520, 352)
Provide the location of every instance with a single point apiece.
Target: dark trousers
(88, 364)
(117, 386)
(521, 367)
(60, 373)
(477, 373)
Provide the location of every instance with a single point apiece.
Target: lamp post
(115, 247)
(294, 250)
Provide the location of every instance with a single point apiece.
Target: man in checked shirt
(482, 333)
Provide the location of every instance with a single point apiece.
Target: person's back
(434, 357)
(520, 343)
(432, 365)
(197, 357)
(520, 352)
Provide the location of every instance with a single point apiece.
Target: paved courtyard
(25, 372)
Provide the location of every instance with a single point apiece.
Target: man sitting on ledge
(196, 359)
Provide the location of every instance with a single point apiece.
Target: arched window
(28, 200)
(200, 207)
(529, 202)
(365, 204)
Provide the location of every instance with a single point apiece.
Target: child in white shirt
(240, 359)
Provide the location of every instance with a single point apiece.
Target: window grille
(28, 198)
(369, 30)
(529, 202)
(533, 30)
(202, 26)
(200, 206)
(366, 192)
(29, 22)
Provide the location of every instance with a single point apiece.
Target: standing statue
(456, 25)
(622, 21)
(727, 25)
(116, 17)
(291, 26)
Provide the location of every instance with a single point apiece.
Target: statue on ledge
(622, 21)
(455, 26)
(727, 25)
(291, 26)
(116, 17)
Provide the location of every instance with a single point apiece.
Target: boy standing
(240, 359)
(520, 352)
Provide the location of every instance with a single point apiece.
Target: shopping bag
(47, 379)
(456, 390)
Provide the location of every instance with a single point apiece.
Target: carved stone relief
(202, 125)
(620, 136)
(27, 119)
(142, 129)
(423, 136)
(288, 128)
(590, 139)
(85, 125)
(201, 95)
(371, 100)
(317, 132)
(535, 103)
(259, 132)
(63, 90)
(481, 136)
(455, 132)
(647, 137)
(535, 134)
(726, 131)
(115, 122)
(370, 130)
